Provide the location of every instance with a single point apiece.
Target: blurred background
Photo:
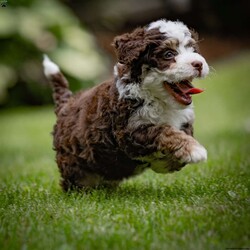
(77, 36)
(210, 201)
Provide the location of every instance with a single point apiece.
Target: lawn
(204, 206)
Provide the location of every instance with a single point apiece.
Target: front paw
(192, 153)
(198, 154)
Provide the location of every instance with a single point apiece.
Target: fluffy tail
(60, 86)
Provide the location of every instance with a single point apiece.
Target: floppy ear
(133, 49)
(130, 46)
(195, 36)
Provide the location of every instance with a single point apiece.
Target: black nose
(197, 65)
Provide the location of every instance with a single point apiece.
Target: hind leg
(73, 174)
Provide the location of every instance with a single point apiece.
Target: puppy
(140, 119)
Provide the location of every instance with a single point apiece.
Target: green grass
(204, 206)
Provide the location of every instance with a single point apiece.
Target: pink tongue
(194, 91)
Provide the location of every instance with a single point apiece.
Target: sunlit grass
(204, 206)
(225, 103)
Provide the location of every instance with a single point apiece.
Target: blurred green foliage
(30, 28)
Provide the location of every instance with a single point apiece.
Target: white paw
(198, 154)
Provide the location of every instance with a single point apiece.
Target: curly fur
(130, 123)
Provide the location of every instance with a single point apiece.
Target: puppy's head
(163, 59)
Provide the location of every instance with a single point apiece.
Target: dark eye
(169, 54)
(196, 49)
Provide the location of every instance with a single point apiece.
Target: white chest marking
(159, 113)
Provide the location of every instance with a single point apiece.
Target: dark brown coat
(94, 144)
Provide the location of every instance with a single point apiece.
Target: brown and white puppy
(140, 119)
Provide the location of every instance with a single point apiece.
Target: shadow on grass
(141, 193)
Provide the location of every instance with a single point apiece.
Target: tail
(60, 86)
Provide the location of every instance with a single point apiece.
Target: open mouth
(182, 91)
